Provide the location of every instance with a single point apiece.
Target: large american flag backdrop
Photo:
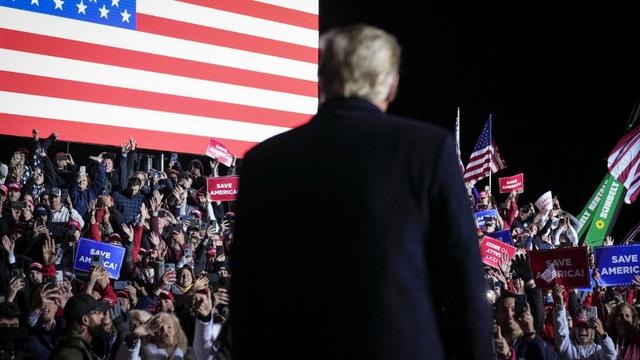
(169, 73)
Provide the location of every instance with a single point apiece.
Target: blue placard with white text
(481, 215)
(112, 256)
(503, 235)
(618, 265)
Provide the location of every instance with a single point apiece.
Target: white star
(58, 4)
(81, 7)
(104, 12)
(125, 16)
(115, 3)
(95, 1)
(35, 2)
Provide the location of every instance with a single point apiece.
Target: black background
(560, 79)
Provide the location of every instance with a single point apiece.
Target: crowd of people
(555, 322)
(170, 300)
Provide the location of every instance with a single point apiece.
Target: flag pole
(490, 150)
(458, 132)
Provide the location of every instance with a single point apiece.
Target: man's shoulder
(70, 347)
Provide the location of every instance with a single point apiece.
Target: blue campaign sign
(503, 235)
(618, 265)
(481, 215)
(112, 256)
(592, 283)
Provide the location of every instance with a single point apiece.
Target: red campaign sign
(511, 183)
(491, 251)
(223, 188)
(571, 265)
(219, 152)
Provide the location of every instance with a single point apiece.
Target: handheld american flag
(549, 274)
(171, 73)
(624, 163)
(485, 158)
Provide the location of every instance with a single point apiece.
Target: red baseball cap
(483, 194)
(167, 295)
(13, 186)
(580, 318)
(123, 294)
(75, 223)
(114, 237)
(36, 266)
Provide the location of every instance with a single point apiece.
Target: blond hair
(358, 60)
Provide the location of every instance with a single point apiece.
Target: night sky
(560, 79)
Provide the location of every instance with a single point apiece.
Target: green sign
(606, 211)
(586, 216)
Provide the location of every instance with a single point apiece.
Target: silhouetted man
(372, 252)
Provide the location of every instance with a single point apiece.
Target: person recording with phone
(587, 339)
(85, 189)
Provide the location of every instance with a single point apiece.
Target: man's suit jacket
(371, 241)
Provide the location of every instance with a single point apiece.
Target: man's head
(134, 185)
(107, 161)
(582, 333)
(360, 61)
(166, 302)
(62, 160)
(55, 195)
(84, 314)
(124, 299)
(506, 314)
(35, 273)
(9, 315)
(14, 191)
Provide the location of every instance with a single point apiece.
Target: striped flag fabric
(170, 73)
(485, 158)
(624, 163)
(549, 274)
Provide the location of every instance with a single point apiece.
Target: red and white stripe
(239, 71)
(624, 163)
(483, 162)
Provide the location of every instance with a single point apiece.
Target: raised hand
(202, 304)
(201, 283)
(144, 213)
(596, 324)
(220, 297)
(557, 294)
(128, 230)
(155, 240)
(608, 241)
(49, 253)
(500, 345)
(8, 244)
(526, 320)
(146, 329)
(15, 285)
(156, 201)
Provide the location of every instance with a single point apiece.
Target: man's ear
(393, 89)
(84, 320)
